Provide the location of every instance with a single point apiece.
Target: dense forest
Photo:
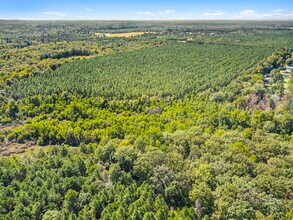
(191, 120)
(172, 70)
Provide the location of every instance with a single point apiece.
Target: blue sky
(146, 10)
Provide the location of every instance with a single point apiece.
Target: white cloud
(88, 9)
(278, 10)
(169, 11)
(272, 14)
(214, 14)
(247, 13)
(148, 13)
(277, 16)
(55, 13)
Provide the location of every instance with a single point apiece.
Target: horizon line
(177, 19)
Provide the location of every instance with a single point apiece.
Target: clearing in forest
(128, 34)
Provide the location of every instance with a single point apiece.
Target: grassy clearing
(122, 35)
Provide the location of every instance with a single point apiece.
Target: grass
(122, 35)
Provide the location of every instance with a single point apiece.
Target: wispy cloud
(55, 14)
(278, 15)
(88, 9)
(247, 15)
(147, 13)
(247, 12)
(214, 14)
(278, 10)
(169, 11)
(272, 14)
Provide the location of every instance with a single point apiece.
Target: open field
(128, 34)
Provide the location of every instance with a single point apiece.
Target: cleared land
(128, 34)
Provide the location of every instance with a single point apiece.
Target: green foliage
(184, 131)
(150, 71)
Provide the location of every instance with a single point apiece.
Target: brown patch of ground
(126, 35)
(4, 128)
(16, 148)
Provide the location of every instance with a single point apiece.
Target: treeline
(22, 62)
(16, 32)
(253, 38)
(65, 54)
